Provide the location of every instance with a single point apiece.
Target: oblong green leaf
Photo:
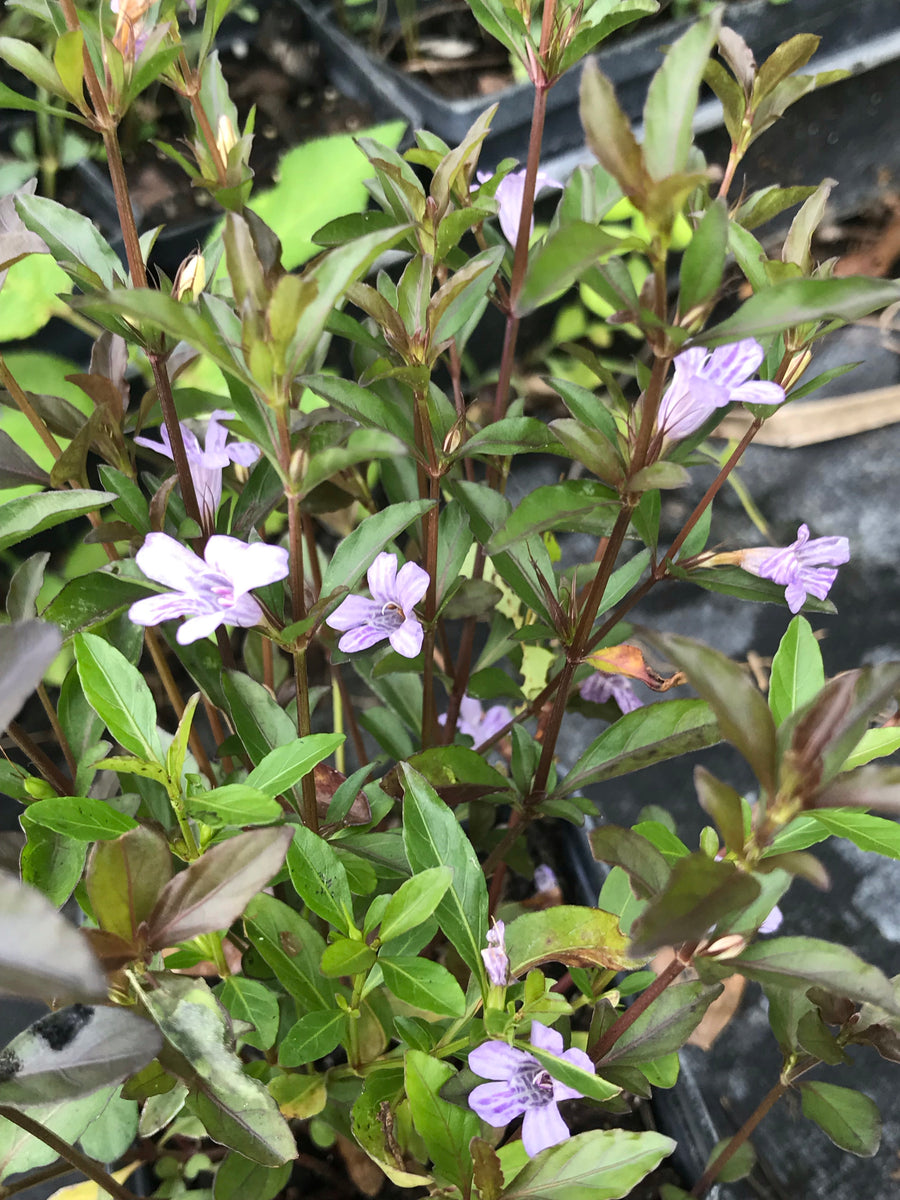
(285, 766)
(118, 694)
(81, 817)
(423, 984)
(358, 550)
(848, 1117)
(31, 514)
(604, 1164)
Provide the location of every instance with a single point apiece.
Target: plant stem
(36, 1177)
(45, 765)
(25, 406)
(79, 1161)
(681, 960)
(57, 729)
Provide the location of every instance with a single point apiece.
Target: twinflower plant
(295, 740)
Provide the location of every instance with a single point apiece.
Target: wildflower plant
(291, 854)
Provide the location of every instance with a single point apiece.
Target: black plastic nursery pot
(861, 32)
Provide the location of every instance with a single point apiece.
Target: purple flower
(477, 724)
(510, 194)
(389, 614)
(600, 687)
(207, 464)
(545, 879)
(495, 958)
(524, 1086)
(805, 567)
(213, 590)
(772, 923)
(706, 380)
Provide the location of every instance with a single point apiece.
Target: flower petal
(361, 638)
(494, 720)
(509, 195)
(545, 1038)
(164, 559)
(164, 447)
(353, 611)
(729, 366)
(407, 640)
(246, 566)
(198, 627)
(541, 1128)
(382, 577)
(758, 391)
(410, 587)
(217, 436)
(498, 1060)
(496, 1104)
(153, 610)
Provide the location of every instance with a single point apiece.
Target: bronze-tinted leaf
(125, 877)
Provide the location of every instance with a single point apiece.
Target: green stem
(187, 834)
(79, 1161)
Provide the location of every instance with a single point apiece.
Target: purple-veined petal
(164, 447)
(729, 366)
(407, 640)
(353, 611)
(198, 627)
(795, 595)
(823, 552)
(545, 1038)
(758, 391)
(496, 1103)
(168, 562)
(361, 638)
(382, 578)
(217, 436)
(153, 610)
(543, 1127)
(498, 1060)
(208, 490)
(410, 586)
(244, 454)
(690, 362)
(246, 566)
(244, 612)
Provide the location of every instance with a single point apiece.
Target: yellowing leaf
(93, 1191)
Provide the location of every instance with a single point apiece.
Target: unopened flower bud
(453, 439)
(496, 961)
(728, 946)
(298, 466)
(191, 278)
(796, 369)
(226, 137)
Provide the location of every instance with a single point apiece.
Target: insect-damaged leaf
(73, 1052)
(566, 933)
(215, 890)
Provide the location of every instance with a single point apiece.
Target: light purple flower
(707, 380)
(477, 724)
(213, 590)
(805, 567)
(524, 1086)
(206, 464)
(600, 687)
(389, 614)
(545, 879)
(496, 961)
(510, 194)
(772, 923)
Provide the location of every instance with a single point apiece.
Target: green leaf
(704, 259)
(286, 766)
(798, 301)
(797, 671)
(292, 948)
(807, 962)
(560, 259)
(346, 956)
(647, 869)
(849, 1118)
(740, 709)
(68, 58)
(28, 60)
(608, 131)
(320, 879)
(81, 817)
(445, 1128)
(639, 739)
(237, 1178)
(869, 832)
(576, 506)
(569, 934)
(234, 804)
(604, 1164)
(251, 1001)
(74, 241)
(235, 1108)
(364, 405)
(732, 581)
(21, 1151)
(28, 515)
(312, 1037)
(511, 435)
(356, 552)
(738, 1166)
(26, 583)
(433, 837)
(50, 861)
(672, 99)
(665, 1026)
(423, 984)
(124, 879)
(699, 895)
(583, 1081)
(874, 743)
(414, 901)
(118, 694)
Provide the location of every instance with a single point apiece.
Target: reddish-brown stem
(57, 729)
(79, 1161)
(36, 1177)
(709, 1176)
(666, 977)
(463, 662)
(192, 83)
(45, 765)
